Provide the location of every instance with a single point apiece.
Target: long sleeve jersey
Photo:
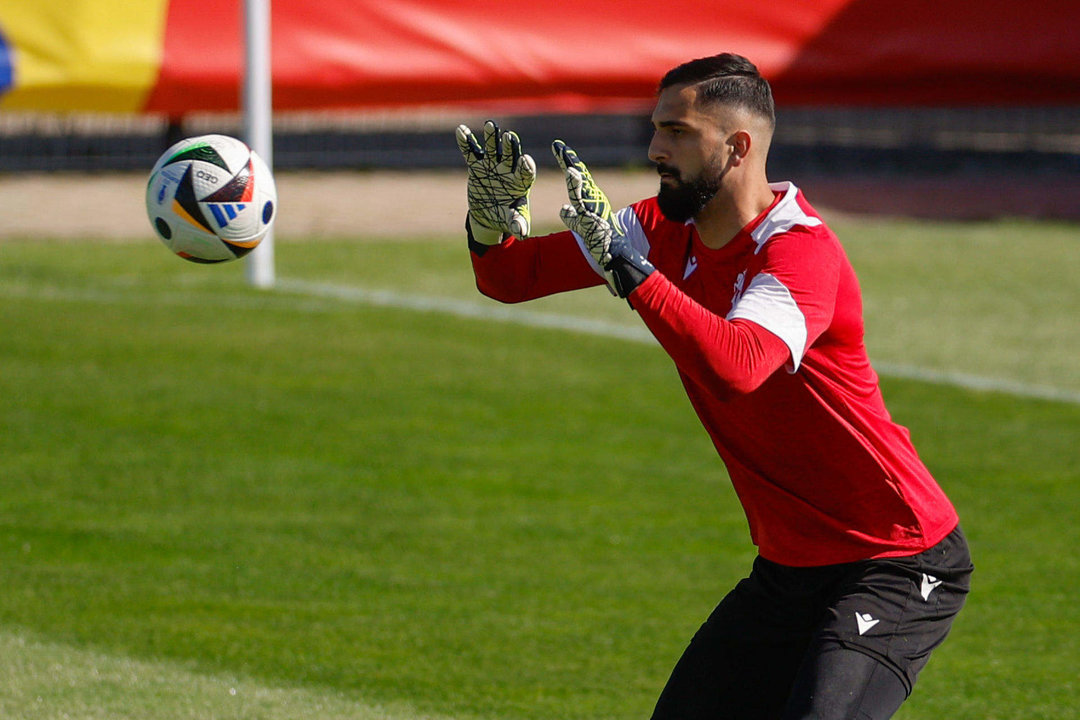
(767, 336)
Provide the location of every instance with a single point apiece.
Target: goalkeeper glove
(500, 178)
(589, 216)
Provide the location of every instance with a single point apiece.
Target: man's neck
(727, 213)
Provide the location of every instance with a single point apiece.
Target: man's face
(689, 151)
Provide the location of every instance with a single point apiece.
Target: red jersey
(767, 336)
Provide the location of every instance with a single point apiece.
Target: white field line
(465, 309)
(315, 291)
(49, 680)
(518, 316)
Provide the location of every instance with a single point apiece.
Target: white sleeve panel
(634, 232)
(769, 304)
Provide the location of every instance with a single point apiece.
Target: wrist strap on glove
(627, 266)
(627, 275)
(480, 247)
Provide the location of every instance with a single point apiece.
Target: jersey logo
(691, 266)
(865, 621)
(929, 584)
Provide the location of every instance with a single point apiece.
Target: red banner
(543, 56)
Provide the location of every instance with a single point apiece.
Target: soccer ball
(211, 199)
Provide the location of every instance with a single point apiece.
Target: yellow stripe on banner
(75, 55)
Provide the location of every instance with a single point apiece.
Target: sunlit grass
(419, 514)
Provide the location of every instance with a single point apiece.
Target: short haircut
(725, 78)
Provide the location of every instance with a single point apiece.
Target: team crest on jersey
(740, 281)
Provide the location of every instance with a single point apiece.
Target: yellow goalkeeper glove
(500, 178)
(589, 215)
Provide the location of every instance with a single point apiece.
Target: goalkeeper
(861, 564)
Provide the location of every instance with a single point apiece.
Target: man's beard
(686, 198)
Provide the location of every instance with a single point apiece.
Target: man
(862, 566)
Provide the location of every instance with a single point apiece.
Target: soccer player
(861, 564)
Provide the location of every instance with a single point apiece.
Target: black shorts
(839, 641)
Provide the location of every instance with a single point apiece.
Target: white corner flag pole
(258, 126)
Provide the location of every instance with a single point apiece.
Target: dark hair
(725, 78)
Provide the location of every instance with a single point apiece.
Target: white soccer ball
(211, 199)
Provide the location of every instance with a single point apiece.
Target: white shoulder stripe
(769, 304)
(786, 215)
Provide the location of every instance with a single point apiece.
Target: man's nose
(657, 150)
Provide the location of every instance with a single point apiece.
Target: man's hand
(589, 215)
(589, 212)
(500, 178)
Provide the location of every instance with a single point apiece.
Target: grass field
(219, 502)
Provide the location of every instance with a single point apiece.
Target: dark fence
(817, 141)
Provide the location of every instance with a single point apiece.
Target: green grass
(342, 510)
(54, 681)
(995, 299)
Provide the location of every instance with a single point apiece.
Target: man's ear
(740, 142)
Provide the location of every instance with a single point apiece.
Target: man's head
(713, 122)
